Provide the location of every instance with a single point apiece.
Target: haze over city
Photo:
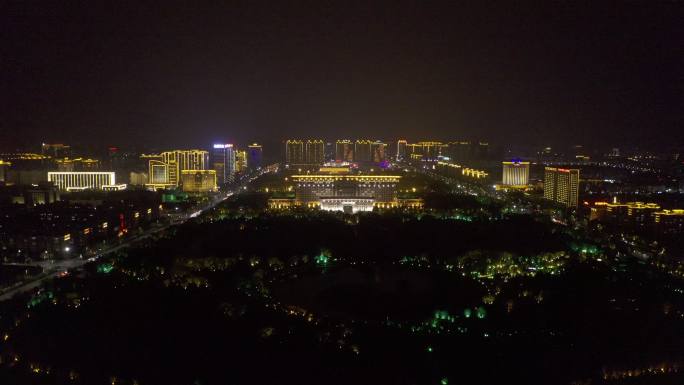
(124, 73)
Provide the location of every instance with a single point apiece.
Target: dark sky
(187, 73)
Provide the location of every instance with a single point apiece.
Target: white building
(75, 181)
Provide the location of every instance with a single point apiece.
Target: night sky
(185, 74)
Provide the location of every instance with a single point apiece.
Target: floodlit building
(631, 213)
(164, 169)
(198, 181)
(516, 173)
(345, 192)
(241, 161)
(561, 185)
(83, 180)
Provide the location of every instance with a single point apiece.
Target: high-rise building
(344, 151)
(294, 152)
(314, 151)
(73, 181)
(362, 151)
(309, 152)
(240, 161)
(198, 181)
(427, 151)
(378, 151)
(401, 149)
(254, 156)
(223, 161)
(561, 185)
(164, 169)
(516, 173)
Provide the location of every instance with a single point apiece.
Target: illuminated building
(633, 213)
(294, 152)
(42, 194)
(198, 181)
(314, 151)
(456, 170)
(363, 151)
(669, 221)
(3, 169)
(240, 161)
(78, 164)
(401, 149)
(164, 169)
(82, 180)
(345, 192)
(138, 178)
(25, 161)
(299, 152)
(378, 151)
(56, 150)
(223, 161)
(344, 151)
(428, 151)
(561, 185)
(254, 156)
(516, 173)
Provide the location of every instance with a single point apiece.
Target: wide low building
(84, 180)
(345, 192)
(198, 181)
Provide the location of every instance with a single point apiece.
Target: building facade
(314, 151)
(516, 173)
(363, 151)
(164, 169)
(561, 185)
(300, 152)
(199, 181)
(82, 180)
(223, 161)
